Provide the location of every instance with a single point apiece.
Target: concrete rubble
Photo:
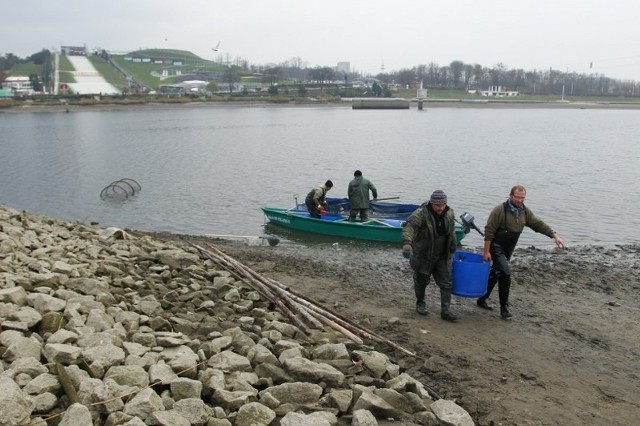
(111, 329)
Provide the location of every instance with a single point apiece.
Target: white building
(499, 91)
(344, 67)
(20, 85)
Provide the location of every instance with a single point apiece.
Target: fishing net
(120, 189)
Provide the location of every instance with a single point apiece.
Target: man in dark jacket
(504, 226)
(358, 193)
(315, 200)
(429, 241)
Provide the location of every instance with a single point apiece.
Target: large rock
(254, 414)
(451, 414)
(144, 404)
(16, 405)
(297, 392)
(306, 370)
(76, 414)
(15, 295)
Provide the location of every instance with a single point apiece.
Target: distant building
(344, 67)
(499, 91)
(19, 85)
(74, 50)
(183, 88)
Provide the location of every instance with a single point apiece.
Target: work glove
(319, 207)
(325, 202)
(407, 251)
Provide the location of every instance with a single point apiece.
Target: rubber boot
(445, 306)
(421, 307)
(482, 301)
(504, 312)
(504, 284)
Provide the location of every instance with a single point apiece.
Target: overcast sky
(575, 35)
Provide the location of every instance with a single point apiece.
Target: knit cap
(438, 197)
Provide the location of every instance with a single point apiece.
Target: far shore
(344, 103)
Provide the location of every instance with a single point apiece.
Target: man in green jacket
(429, 241)
(358, 193)
(504, 226)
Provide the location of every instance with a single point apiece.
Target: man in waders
(315, 199)
(358, 192)
(504, 226)
(429, 241)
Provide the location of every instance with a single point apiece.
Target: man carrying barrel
(429, 241)
(504, 226)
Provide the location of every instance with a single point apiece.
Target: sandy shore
(569, 356)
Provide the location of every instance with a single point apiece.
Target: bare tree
(406, 77)
(432, 73)
(231, 77)
(467, 75)
(456, 69)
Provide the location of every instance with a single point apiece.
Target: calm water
(209, 169)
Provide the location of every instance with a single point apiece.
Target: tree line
(461, 76)
(38, 80)
(456, 76)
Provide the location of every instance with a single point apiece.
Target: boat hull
(387, 230)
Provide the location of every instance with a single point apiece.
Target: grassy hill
(65, 71)
(154, 67)
(26, 69)
(107, 70)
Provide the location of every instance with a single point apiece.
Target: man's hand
(558, 241)
(407, 251)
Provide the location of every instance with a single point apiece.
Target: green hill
(26, 69)
(154, 67)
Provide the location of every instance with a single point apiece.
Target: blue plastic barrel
(470, 274)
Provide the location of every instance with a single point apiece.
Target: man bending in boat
(316, 201)
(358, 193)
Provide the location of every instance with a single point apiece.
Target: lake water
(209, 169)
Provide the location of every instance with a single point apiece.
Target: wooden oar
(386, 198)
(380, 222)
(273, 241)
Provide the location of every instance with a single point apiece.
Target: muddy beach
(570, 355)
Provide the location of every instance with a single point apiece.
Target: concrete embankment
(102, 327)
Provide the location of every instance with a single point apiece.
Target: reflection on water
(209, 170)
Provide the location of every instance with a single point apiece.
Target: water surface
(209, 169)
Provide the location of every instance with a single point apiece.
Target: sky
(584, 36)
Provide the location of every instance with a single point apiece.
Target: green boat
(385, 230)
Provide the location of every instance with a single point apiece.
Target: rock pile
(102, 328)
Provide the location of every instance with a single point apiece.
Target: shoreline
(581, 302)
(344, 103)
